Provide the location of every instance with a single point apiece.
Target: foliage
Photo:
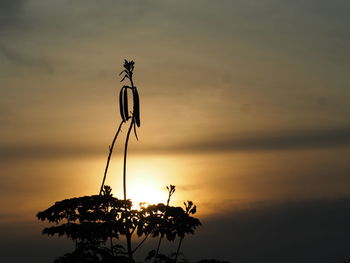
(92, 220)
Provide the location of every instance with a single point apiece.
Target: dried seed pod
(125, 103)
(136, 112)
(137, 138)
(121, 108)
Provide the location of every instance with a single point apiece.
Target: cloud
(275, 141)
(289, 140)
(305, 231)
(47, 151)
(26, 60)
(10, 11)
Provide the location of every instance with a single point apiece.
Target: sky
(244, 107)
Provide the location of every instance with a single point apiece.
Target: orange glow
(146, 191)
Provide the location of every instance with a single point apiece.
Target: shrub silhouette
(171, 191)
(95, 223)
(91, 220)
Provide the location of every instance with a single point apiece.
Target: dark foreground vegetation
(96, 223)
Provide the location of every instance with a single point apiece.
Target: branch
(139, 245)
(109, 156)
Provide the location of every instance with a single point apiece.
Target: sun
(146, 191)
(146, 184)
(146, 181)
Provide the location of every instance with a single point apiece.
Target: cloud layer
(283, 141)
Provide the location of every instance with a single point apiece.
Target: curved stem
(158, 247)
(140, 244)
(125, 154)
(109, 155)
(178, 250)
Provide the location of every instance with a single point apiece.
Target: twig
(158, 247)
(109, 156)
(178, 249)
(139, 245)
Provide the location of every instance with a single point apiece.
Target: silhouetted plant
(125, 116)
(171, 191)
(89, 221)
(124, 110)
(92, 221)
(184, 225)
(135, 119)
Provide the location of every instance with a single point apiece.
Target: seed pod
(137, 138)
(125, 104)
(121, 108)
(136, 112)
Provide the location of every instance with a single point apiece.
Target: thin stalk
(161, 237)
(109, 155)
(140, 244)
(125, 155)
(178, 249)
(127, 139)
(128, 234)
(159, 242)
(128, 244)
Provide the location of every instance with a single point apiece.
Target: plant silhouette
(95, 223)
(124, 113)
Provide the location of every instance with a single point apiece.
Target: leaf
(135, 132)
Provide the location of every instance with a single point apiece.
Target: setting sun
(146, 191)
(147, 182)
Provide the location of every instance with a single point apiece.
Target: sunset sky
(244, 107)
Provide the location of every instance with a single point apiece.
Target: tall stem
(158, 247)
(128, 234)
(140, 244)
(110, 154)
(161, 237)
(128, 244)
(125, 154)
(178, 249)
